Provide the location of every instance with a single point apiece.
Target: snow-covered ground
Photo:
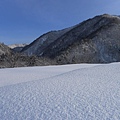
(18, 75)
(71, 92)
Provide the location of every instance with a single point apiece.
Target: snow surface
(83, 92)
(18, 75)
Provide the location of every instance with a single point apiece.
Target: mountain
(17, 47)
(4, 49)
(96, 40)
(5, 56)
(9, 59)
(37, 47)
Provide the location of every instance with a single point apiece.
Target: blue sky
(22, 21)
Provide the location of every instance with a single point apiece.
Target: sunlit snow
(71, 92)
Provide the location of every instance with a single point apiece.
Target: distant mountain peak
(17, 45)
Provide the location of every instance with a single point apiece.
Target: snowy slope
(91, 93)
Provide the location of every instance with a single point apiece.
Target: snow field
(91, 93)
(18, 75)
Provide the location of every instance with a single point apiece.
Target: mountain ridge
(82, 33)
(96, 40)
(43, 41)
